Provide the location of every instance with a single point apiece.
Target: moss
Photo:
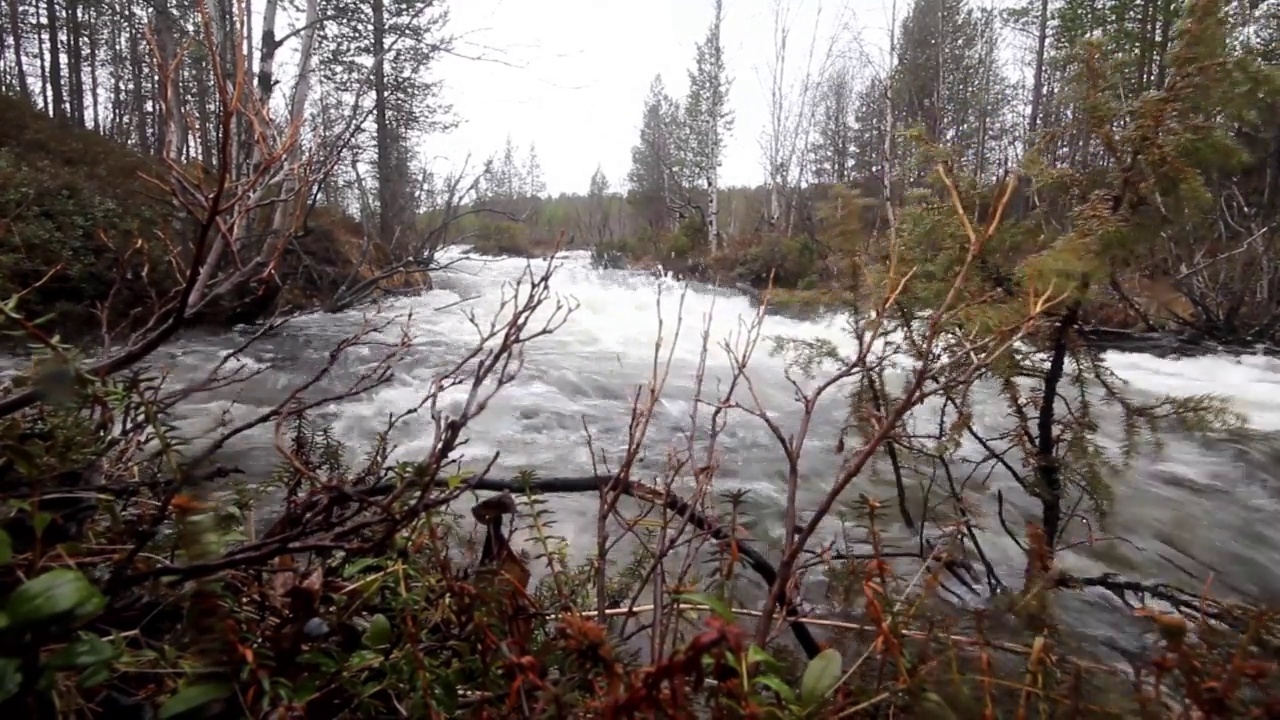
(79, 214)
(76, 216)
(809, 299)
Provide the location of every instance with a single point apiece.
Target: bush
(501, 237)
(789, 260)
(688, 239)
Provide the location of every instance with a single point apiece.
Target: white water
(1202, 504)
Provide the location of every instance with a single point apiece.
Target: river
(1201, 504)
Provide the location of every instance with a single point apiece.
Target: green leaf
(23, 459)
(756, 654)
(935, 706)
(95, 676)
(41, 521)
(322, 660)
(6, 548)
(820, 677)
(716, 604)
(362, 659)
(58, 592)
(85, 651)
(446, 696)
(10, 677)
(193, 696)
(379, 632)
(776, 684)
(358, 567)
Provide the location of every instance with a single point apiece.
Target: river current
(1200, 505)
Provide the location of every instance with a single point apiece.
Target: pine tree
(390, 43)
(534, 183)
(947, 83)
(832, 146)
(599, 225)
(508, 178)
(654, 177)
(708, 120)
(599, 184)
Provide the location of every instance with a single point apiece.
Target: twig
(959, 640)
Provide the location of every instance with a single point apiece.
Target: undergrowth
(426, 623)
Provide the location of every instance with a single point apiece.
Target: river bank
(92, 238)
(1122, 334)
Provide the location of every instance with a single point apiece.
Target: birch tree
(791, 112)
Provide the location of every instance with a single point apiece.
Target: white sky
(571, 75)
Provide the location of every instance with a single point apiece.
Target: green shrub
(790, 260)
(501, 237)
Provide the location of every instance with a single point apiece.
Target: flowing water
(1200, 506)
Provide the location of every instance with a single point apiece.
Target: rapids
(1201, 505)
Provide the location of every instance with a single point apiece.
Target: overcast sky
(571, 75)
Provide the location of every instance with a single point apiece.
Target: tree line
(316, 111)
(1076, 97)
(357, 76)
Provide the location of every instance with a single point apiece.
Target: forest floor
(87, 230)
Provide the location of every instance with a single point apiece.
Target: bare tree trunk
(933, 119)
(775, 206)
(59, 108)
(666, 197)
(329, 187)
(281, 225)
(1037, 83)
(1146, 46)
(44, 69)
(266, 81)
(777, 111)
(1166, 35)
(266, 65)
(174, 129)
(297, 116)
(204, 110)
(243, 155)
(984, 107)
(791, 117)
(15, 32)
(713, 211)
(383, 140)
(139, 98)
(75, 61)
(94, 89)
(887, 170)
(246, 17)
